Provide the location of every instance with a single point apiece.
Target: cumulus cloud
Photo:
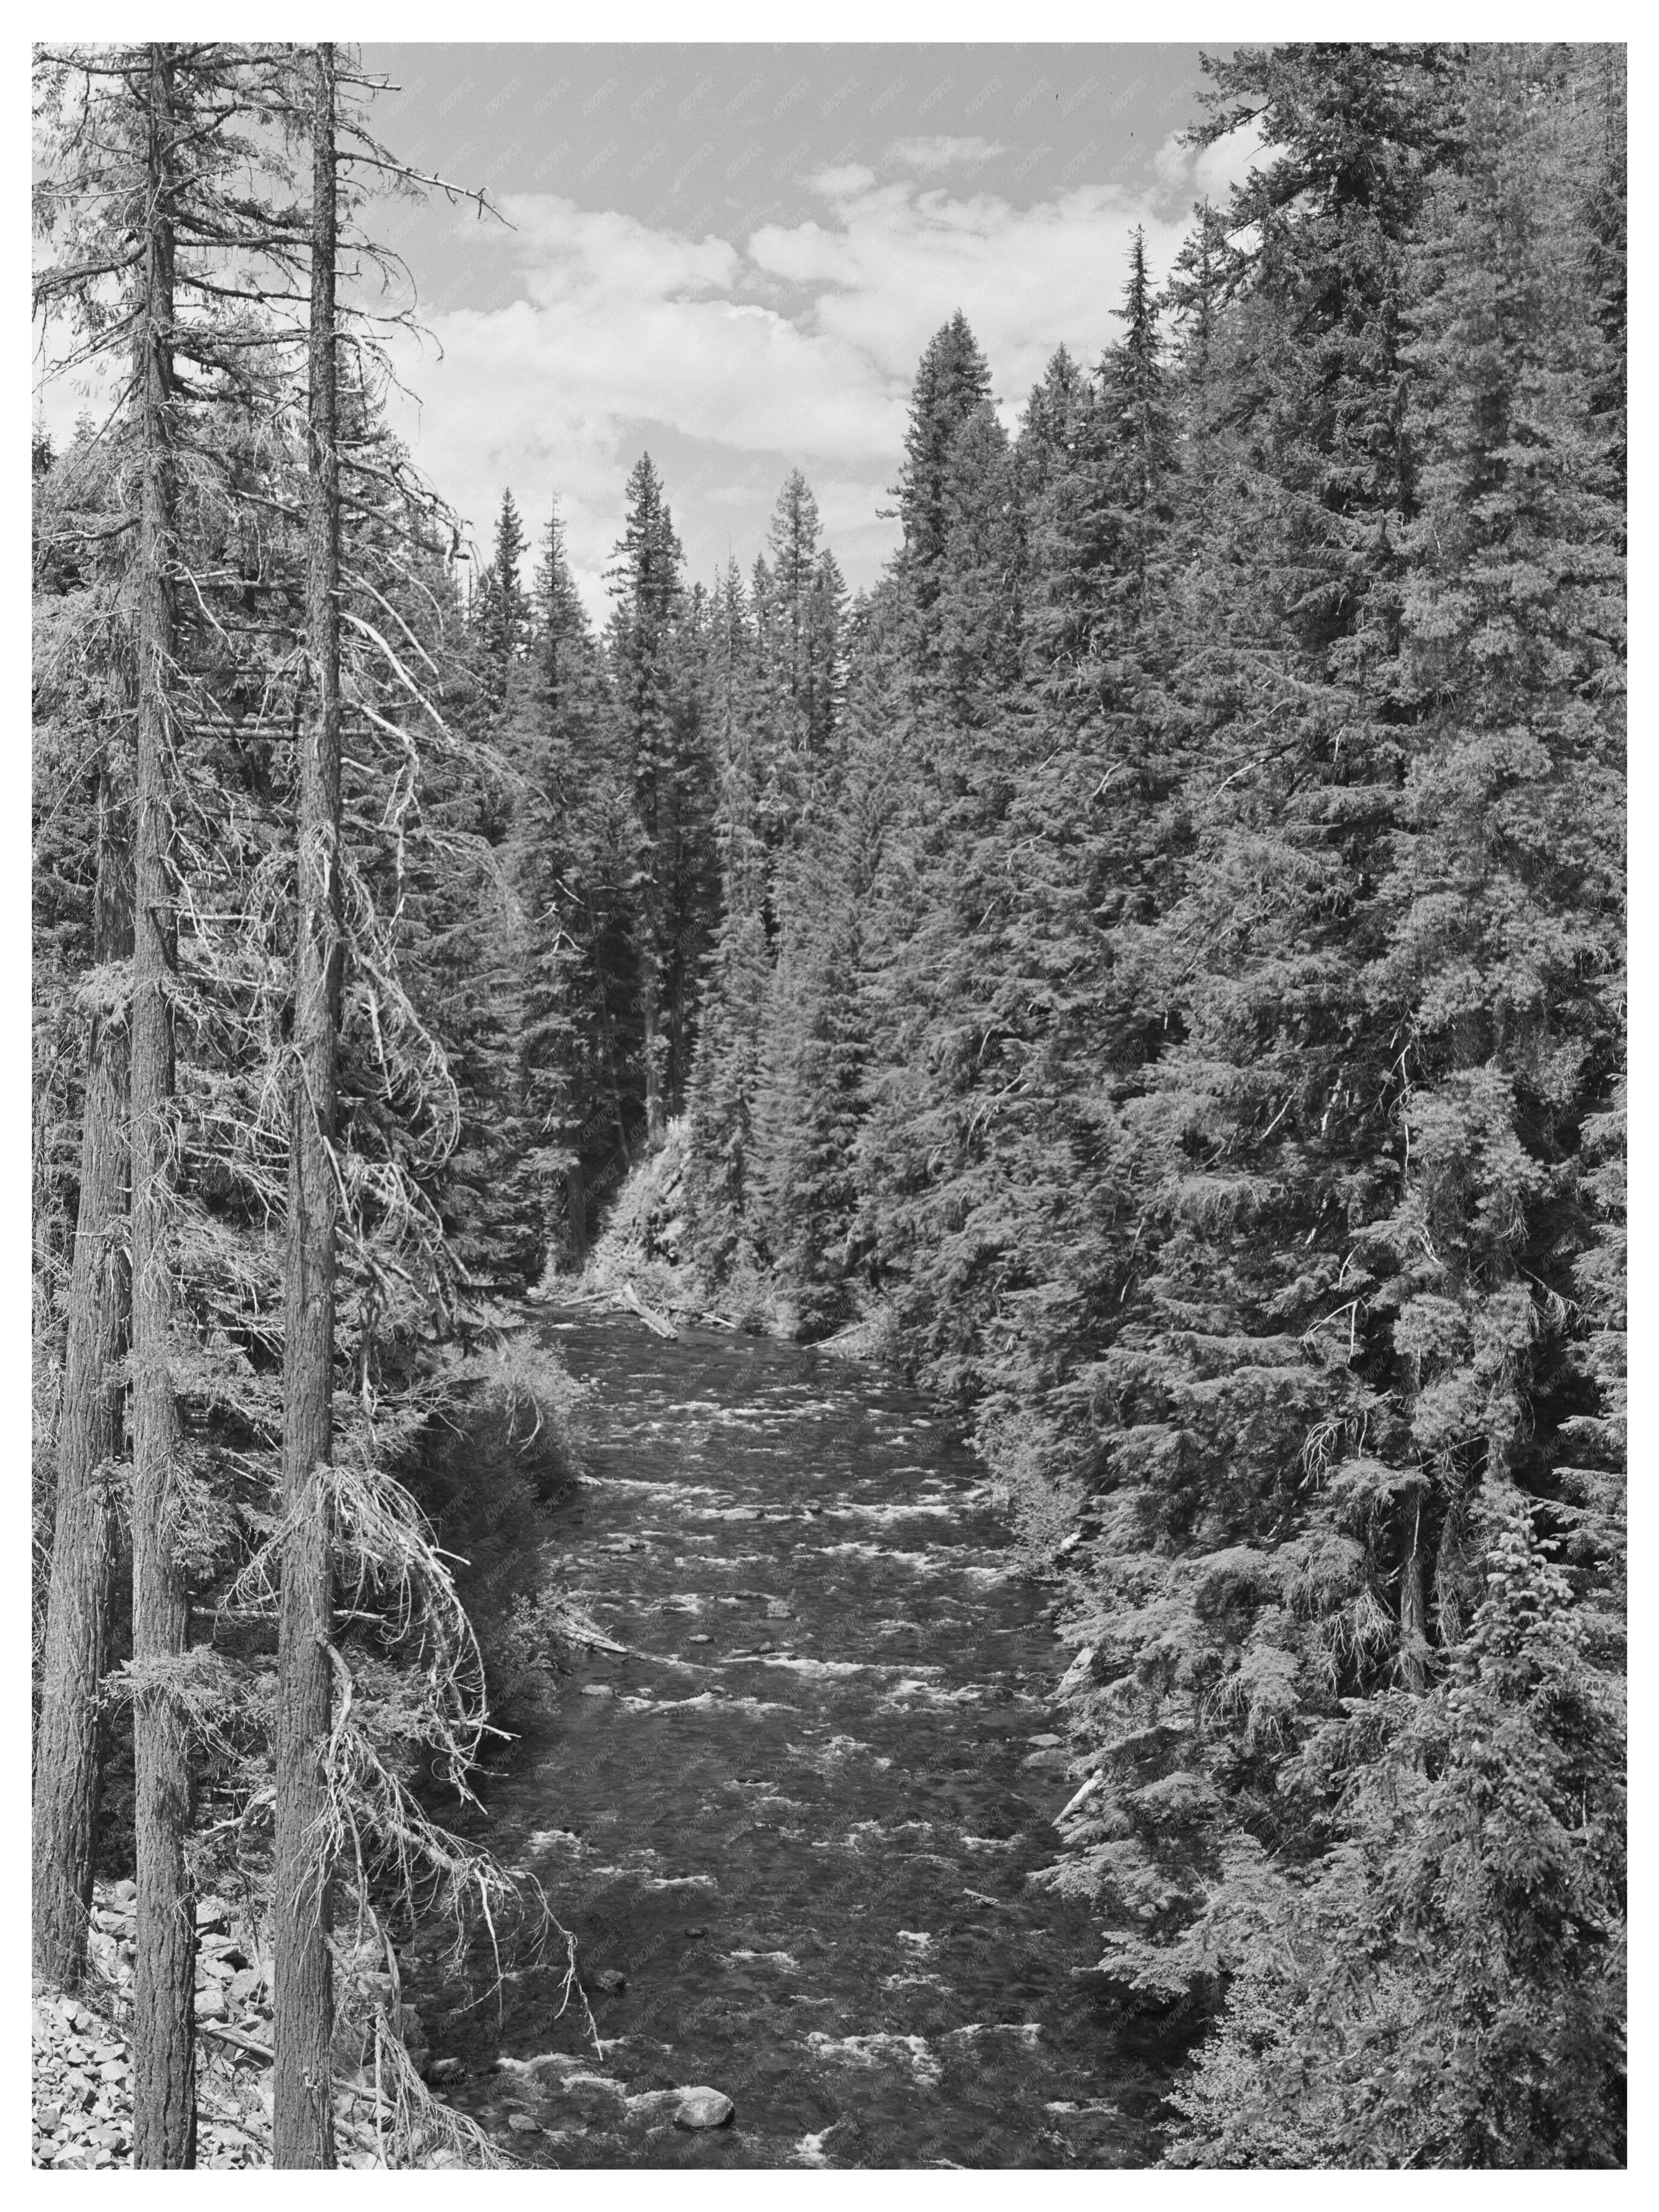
(1189, 173)
(930, 155)
(795, 346)
(896, 262)
(851, 178)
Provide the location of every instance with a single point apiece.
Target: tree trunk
(650, 1016)
(85, 1527)
(164, 2078)
(304, 2129)
(575, 1215)
(1414, 1608)
(609, 1042)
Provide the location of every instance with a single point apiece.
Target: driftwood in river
(630, 1298)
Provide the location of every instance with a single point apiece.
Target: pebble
(704, 2108)
(82, 2074)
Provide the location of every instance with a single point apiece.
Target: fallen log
(630, 1298)
(235, 2035)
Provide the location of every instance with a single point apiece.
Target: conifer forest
(828, 1376)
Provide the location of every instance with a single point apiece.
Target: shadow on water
(799, 1817)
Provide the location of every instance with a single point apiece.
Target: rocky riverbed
(793, 1828)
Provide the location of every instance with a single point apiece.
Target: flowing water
(800, 1816)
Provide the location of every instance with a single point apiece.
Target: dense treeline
(653, 783)
(1193, 1016)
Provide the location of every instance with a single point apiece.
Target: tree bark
(304, 2131)
(575, 1215)
(650, 1018)
(85, 1530)
(164, 2079)
(1414, 1608)
(609, 1043)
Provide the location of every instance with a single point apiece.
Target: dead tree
(91, 1434)
(164, 2086)
(305, 2010)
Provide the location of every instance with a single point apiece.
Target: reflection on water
(799, 1817)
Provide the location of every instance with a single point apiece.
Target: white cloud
(797, 345)
(929, 155)
(851, 179)
(1189, 173)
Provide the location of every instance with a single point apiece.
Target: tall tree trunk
(164, 2062)
(608, 1042)
(678, 1023)
(89, 1437)
(575, 1215)
(654, 1042)
(304, 2126)
(1414, 1607)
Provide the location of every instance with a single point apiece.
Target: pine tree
(501, 613)
(646, 583)
(557, 865)
(726, 1067)
(952, 384)
(810, 1100)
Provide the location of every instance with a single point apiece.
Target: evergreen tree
(952, 384)
(647, 586)
(562, 861)
(501, 613)
(726, 1069)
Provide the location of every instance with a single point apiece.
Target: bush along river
(791, 1829)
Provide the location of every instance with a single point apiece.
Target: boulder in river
(704, 2108)
(609, 1981)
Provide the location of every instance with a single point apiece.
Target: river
(800, 1816)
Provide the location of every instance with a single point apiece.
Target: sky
(732, 256)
